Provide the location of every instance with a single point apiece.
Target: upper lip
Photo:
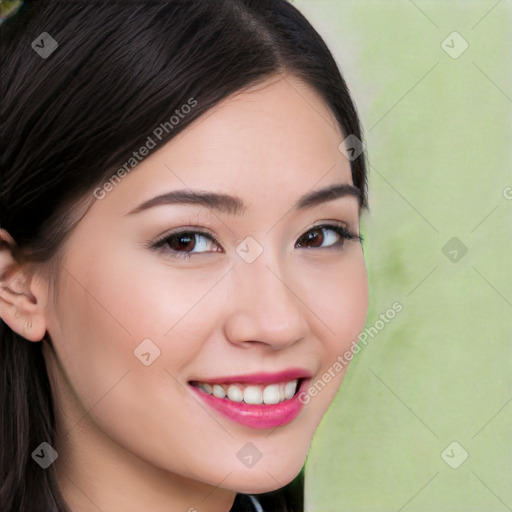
(261, 377)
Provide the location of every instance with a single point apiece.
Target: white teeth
(289, 389)
(271, 394)
(235, 393)
(253, 395)
(218, 391)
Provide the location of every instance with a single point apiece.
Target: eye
(326, 236)
(185, 243)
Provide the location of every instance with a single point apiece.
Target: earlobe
(21, 301)
(30, 325)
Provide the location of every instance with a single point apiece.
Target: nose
(265, 308)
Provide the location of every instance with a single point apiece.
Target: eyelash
(159, 244)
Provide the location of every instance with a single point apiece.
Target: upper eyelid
(204, 231)
(326, 222)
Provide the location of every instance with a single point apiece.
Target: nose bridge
(267, 309)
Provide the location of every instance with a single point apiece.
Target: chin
(261, 480)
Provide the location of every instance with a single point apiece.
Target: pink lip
(258, 416)
(261, 378)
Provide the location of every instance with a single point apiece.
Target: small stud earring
(29, 325)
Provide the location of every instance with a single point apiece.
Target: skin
(133, 437)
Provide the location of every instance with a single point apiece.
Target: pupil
(316, 237)
(185, 242)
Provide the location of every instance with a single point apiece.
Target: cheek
(109, 306)
(106, 307)
(137, 295)
(92, 340)
(150, 297)
(340, 305)
(340, 302)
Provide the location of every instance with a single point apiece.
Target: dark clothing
(243, 503)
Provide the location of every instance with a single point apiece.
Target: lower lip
(256, 416)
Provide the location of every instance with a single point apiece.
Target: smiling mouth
(258, 400)
(251, 394)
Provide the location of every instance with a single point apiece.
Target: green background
(439, 138)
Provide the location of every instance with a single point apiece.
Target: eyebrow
(235, 206)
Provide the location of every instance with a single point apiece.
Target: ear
(23, 295)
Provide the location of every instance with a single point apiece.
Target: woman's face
(214, 261)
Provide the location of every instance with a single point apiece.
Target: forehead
(278, 136)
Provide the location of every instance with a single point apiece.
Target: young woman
(180, 253)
